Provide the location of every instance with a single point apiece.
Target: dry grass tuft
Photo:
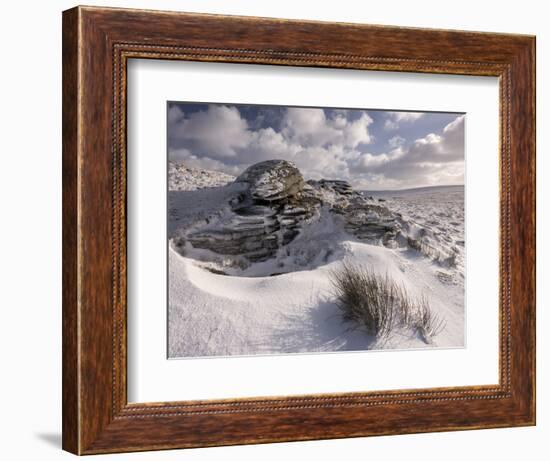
(378, 305)
(366, 299)
(427, 323)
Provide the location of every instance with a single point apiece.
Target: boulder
(272, 180)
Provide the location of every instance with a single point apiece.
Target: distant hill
(183, 177)
(416, 190)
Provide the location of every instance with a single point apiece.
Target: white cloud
(175, 115)
(406, 116)
(396, 141)
(311, 127)
(395, 119)
(447, 147)
(217, 132)
(357, 132)
(322, 162)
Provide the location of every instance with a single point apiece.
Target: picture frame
(97, 45)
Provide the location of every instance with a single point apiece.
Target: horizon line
(411, 188)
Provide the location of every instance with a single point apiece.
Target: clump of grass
(366, 299)
(378, 305)
(427, 323)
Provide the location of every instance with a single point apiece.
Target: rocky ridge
(272, 204)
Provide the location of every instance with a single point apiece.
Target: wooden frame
(97, 43)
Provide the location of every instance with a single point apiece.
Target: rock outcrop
(273, 203)
(265, 215)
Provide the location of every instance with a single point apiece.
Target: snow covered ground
(439, 211)
(249, 311)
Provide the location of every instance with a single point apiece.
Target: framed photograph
(282, 230)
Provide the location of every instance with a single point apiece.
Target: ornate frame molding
(98, 43)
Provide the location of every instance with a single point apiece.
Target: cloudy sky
(373, 149)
